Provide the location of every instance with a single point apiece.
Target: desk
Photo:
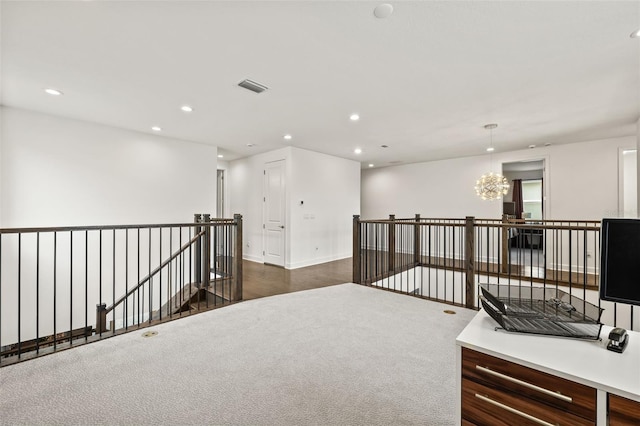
(584, 362)
(526, 238)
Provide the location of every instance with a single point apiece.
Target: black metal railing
(444, 259)
(65, 286)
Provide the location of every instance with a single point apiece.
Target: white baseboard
(251, 258)
(317, 261)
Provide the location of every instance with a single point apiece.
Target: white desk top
(583, 361)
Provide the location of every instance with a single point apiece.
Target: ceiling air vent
(253, 86)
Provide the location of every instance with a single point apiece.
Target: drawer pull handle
(525, 384)
(514, 411)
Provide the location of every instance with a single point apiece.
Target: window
(532, 198)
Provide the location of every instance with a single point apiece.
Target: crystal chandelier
(491, 186)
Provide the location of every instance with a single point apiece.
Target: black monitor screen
(620, 261)
(509, 207)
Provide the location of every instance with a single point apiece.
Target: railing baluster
(160, 275)
(138, 288)
(150, 281)
(86, 283)
(103, 323)
(1, 287)
(126, 278)
(113, 277)
(70, 288)
(19, 295)
(191, 260)
(37, 292)
(55, 276)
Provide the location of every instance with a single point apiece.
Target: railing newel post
(197, 258)
(206, 251)
(357, 262)
(101, 318)
(505, 244)
(416, 241)
(236, 292)
(392, 242)
(470, 294)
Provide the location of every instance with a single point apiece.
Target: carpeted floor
(346, 354)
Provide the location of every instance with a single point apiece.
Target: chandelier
(491, 186)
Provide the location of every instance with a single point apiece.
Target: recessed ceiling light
(547, 144)
(186, 108)
(371, 165)
(531, 146)
(220, 156)
(156, 129)
(354, 117)
(287, 137)
(490, 149)
(357, 151)
(635, 34)
(53, 92)
(250, 145)
(384, 146)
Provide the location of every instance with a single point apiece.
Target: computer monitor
(620, 261)
(509, 207)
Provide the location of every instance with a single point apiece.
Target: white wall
(56, 171)
(329, 187)
(581, 182)
(322, 225)
(433, 189)
(227, 213)
(1, 145)
(629, 186)
(638, 162)
(584, 179)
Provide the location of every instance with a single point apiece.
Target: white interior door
(274, 213)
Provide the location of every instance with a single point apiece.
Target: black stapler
(618, 339)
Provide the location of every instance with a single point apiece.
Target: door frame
(284, 218)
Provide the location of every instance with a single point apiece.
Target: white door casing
(274, 213)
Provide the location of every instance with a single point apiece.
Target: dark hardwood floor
(260, 280)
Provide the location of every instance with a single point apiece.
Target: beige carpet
(341, 355)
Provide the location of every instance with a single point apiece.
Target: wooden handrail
(109, 227)
(469, 231)
(493, 225)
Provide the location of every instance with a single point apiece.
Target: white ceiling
(425, 80)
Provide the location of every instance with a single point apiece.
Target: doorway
(220, 194)
(526, 245)
(628, 183)
(531, 175)
(274, 201)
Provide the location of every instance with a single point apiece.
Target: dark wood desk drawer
(623, 411)
(482, 405)
(544, 388)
